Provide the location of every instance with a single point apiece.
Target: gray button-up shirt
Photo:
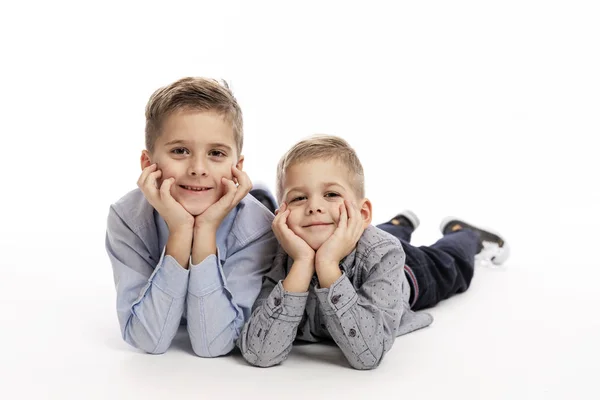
(363, 311)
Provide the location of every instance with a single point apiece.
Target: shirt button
(352, 332)
(335, 299)
(277, 301)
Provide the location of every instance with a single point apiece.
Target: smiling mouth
(195, 188)
(318, 224)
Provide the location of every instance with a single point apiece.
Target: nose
(314, 206)
(197, 166)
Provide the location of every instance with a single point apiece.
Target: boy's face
(197, 149)
(314, 191)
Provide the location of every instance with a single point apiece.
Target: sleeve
(150, 294)
(218, 305)
(267, 337)
(364, 321)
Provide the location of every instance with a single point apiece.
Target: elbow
(146, 345)
(155, 351)
(365, 361)
(259, 360)
(211, 351)
(363, 367)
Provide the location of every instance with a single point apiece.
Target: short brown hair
(194, 94)
(322, 147)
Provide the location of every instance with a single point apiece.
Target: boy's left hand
(344, 238)
(212, 217)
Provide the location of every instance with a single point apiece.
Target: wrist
(204, 245)
(299, 277)
(182, 230)
(328, 273)
(324, 265)
(205, 228)
(179, 246)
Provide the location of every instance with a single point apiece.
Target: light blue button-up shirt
(154, 292)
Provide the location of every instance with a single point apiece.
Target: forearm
(150, 310)
(204, 243)
(267, 338)
(362, 329)
(179, 246)
(328, 273)
(299, 277)
(214, 320)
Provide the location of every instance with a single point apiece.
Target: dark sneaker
(406, 218)
(492, 248)
(262, 194)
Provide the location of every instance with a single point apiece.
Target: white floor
(529, 330)
(484, 110)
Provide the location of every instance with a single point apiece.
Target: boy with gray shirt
(337, 277)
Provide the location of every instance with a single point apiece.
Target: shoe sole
(504, 250)
(412, 217)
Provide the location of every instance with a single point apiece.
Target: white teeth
(194, 189)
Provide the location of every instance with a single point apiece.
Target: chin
(196, 209)
(315, 244)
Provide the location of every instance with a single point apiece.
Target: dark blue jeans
(439, 271)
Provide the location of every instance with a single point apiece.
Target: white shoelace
(489, 251)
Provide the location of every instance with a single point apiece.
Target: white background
(484, 110)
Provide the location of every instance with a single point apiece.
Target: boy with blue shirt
(337, 277)
(189, 245)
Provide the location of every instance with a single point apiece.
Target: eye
(332, 194)
(180, 151)
(216, 153)
(298, 198)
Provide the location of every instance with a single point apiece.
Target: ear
(240, 163)
(145, 159)
(366, 212)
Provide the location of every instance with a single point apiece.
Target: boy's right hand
(294, 245)
(176, 217)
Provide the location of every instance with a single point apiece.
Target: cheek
(293, 221)
(168, 170)
(165, 166)
(334, 210)
(222, 171)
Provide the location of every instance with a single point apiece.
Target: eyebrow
(180, 141)
(302, 188)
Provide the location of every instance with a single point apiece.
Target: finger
(152, 179)
(145, 172)
(355, 222)
(150, 187)
(343, 216)
(353, 214)
(230, 190)
(165, 190)
(281, 208)
(279, 225)
(243, 181)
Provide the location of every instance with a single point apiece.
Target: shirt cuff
(286, 305)
(170, 277)
(206, 277)
(338, 298)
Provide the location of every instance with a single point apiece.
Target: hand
(344, 238)
(213, 216)
(294, 245)
(173, 213)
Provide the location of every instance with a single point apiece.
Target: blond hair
(323, 147)
(193, 94)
